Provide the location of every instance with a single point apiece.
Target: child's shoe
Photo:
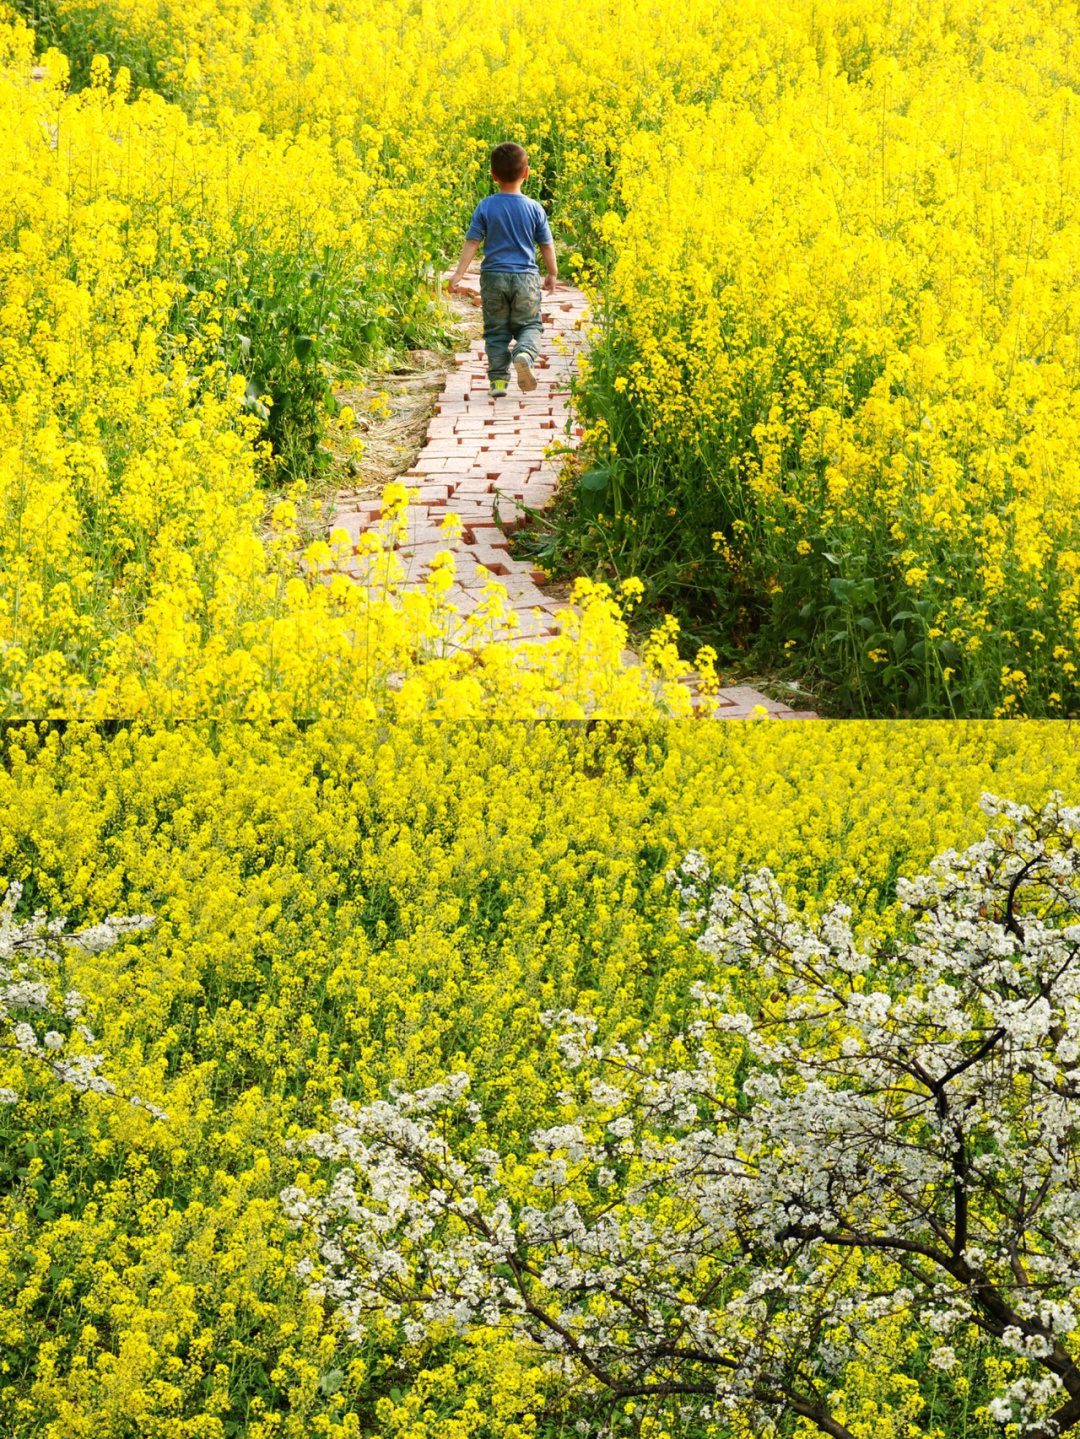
(497, 388)
(524, 371)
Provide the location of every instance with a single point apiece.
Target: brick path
(484, 460)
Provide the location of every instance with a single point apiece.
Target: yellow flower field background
(349, 906)
(170, 289)
(832, 401)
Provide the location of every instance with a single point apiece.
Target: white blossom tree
(36, 1008)
(883, 1131)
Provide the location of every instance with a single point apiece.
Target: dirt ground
(393, 429)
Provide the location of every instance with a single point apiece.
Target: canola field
(831, 406)
(348, 907)
(830, 415)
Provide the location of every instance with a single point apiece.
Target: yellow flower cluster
(349, 906)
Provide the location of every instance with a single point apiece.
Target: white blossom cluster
(37, 946)
(880, 1133)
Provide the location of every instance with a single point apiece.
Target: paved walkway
(484, 461)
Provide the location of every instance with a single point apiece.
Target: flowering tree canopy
(880, 1132)
(32, 956)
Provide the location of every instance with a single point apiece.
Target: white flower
(8, 1096)
(40, 942)
(151, 1109)
(607, 1095)
(25, 1038)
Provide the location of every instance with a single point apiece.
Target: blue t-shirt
(511, 226)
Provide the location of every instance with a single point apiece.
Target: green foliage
(83, 31)
(278, 325)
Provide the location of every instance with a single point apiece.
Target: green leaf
(332, 1382)
(899, 643)
(245, 345)
(949, 653)
(253, 393)
(303, 346)
(595, 479)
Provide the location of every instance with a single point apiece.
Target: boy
(510, 226)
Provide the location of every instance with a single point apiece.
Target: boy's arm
(468, 254)
(551, 265)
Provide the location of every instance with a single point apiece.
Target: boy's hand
(551, 266)
(468, 255)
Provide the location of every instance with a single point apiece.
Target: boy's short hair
(508, 162)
